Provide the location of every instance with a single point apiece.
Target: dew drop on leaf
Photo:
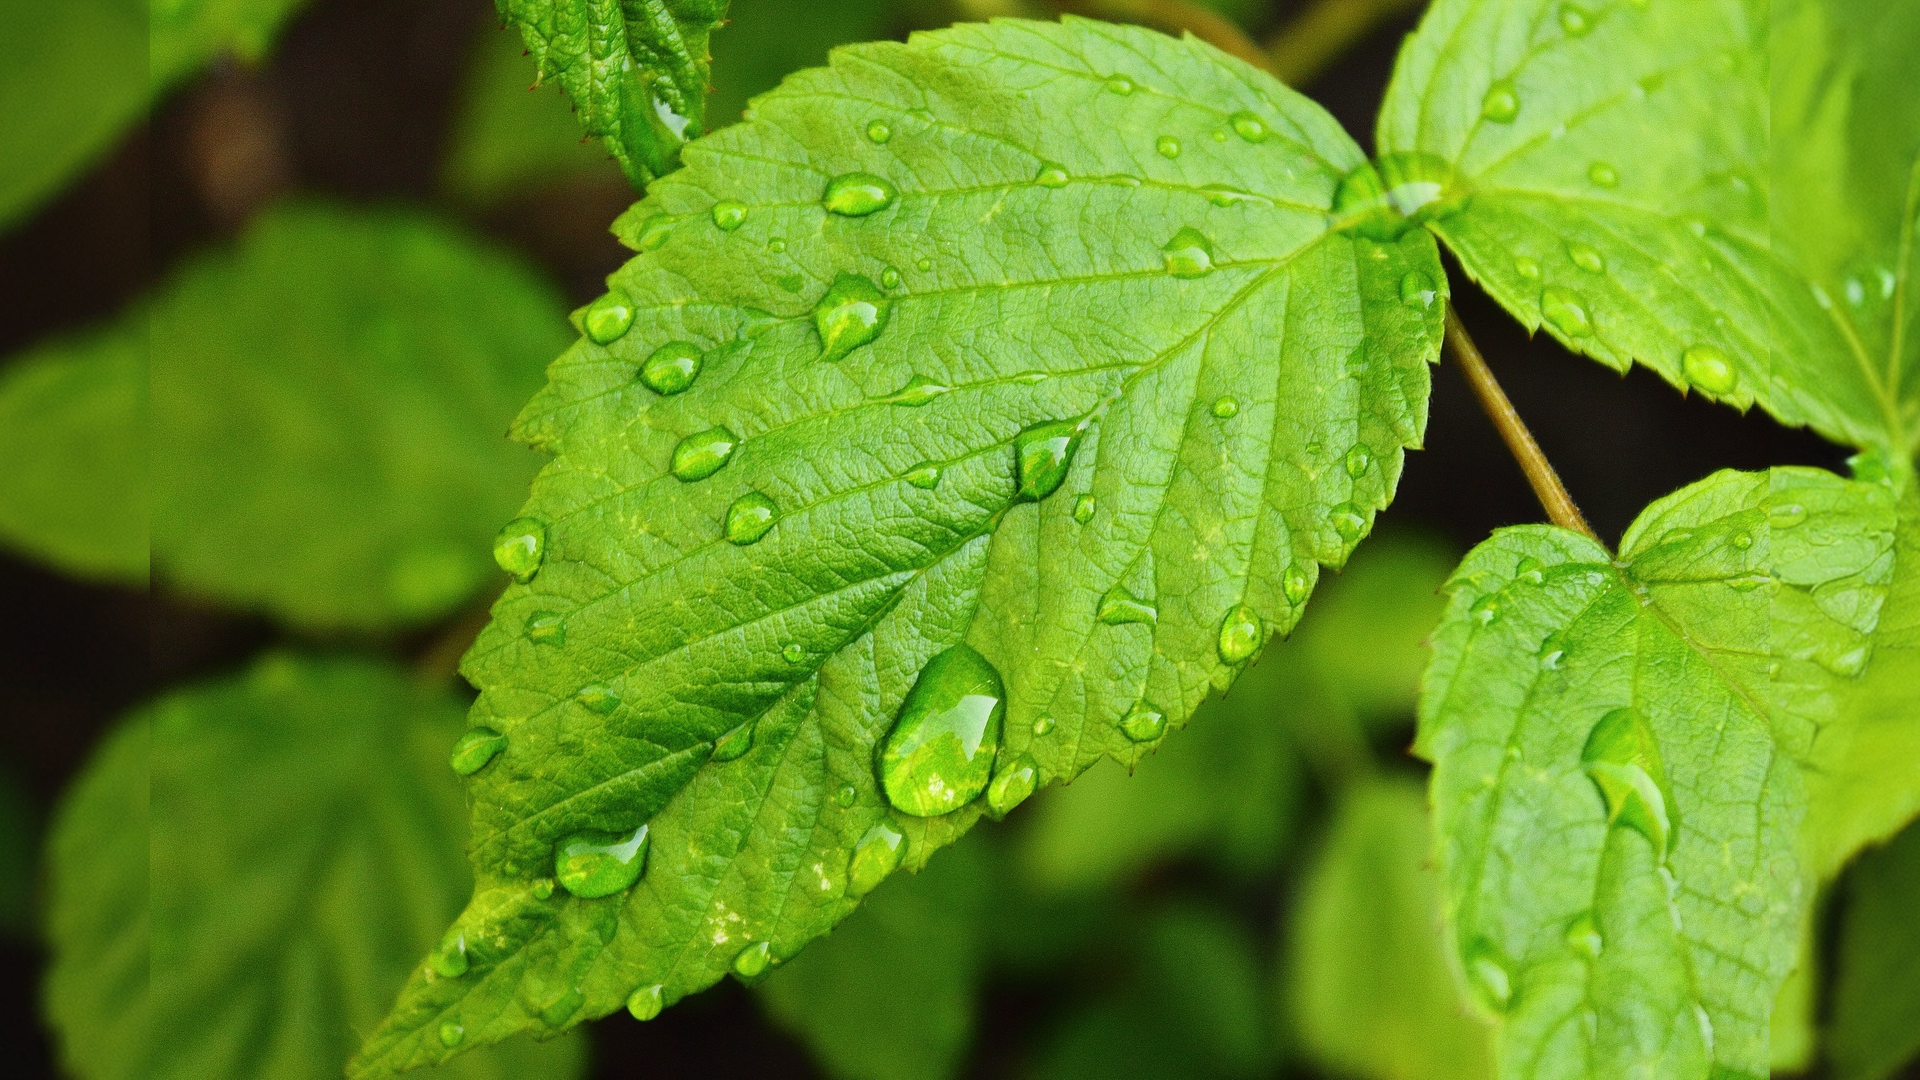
(671, 368)
(595, 864)
(1552, 651)
(1603, 175)
(1012, 783)
(1583, 936)
(1051, 176)
(654, 232)
(750, 517)
(1120, 84)
(1358, 461)
(1786, 515)
(543, 889)
(1083, 508)
(1167, 146)
(939, 755)
(729, 215)
(777, 244)
(1226, 406)
(608, 318)
(1189, 254)
(1623, 760)
(845, 796)
(1143, 723)
(1347, 520)
(1043, 726)
(1529, 570)
(878, 131)
(925, 476)
(1501, 103)
(1042, 455)
(1248, 126)
(918, 391)
(1486, 610)
(734, 744)
(852, 313)
(520, 547)
(1417, 289)
(646, 1002)
(452, 1033)
(1120, 606)
(890, 278)
(449, 959)
(925, 264)
(475, 749)
(1487, 972)
(546, 628)
(1241, 634)
(1526, 268)
(1575, 20)
(703, 453)
(1566, 312)
(793, 653)
(561, 1009)
(874, 857)
(1708, 368)
(1296, 585)
(857, 194)
(1586, 258)
(598, 699)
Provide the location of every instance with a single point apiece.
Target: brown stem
(1546, 483)
(1315, 38)
(1174, 17)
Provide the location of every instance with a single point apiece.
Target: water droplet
(845, 796)
(1249, 127)
(646, 1002)
(753, 962)
(1565, 311)
(1120, 84)
(918, 391)
(1011, 785)
(852, 313)
(561, 1009)
(925, 476)
(1486, 609)
(1742, 541)
(1226, 406)
(939, 755)
(1220, 135)
(475, 749)
(1487, 971)
(452, 1033)
(1382, 200)
(1189, 254)
(1051, 175)
(546, 628)
(1241, 634)
(792, 283)
(1347, 520)
(1120, 606)
(543, 889)
(750, 517)
(1586, 258)
(1042, 455)
(1527, 268)
(1167, 146)
(1417, 289)
(889, 278)
(1552, 651)
(729, 215)
(878, 131)
(1623, 760)
(608, 318)
(520, 547)
(594, 864)
(1849, 664)
(672, 367)
(734, 744)
(1786, 515)
(776, 244)
(703, 453)
(1043, 726)
(1083, 509)
(1583, 936)
(449, 959)
(1529, 570)
(857, 194)
(654, 232)
(1143, 723)
(1501, 103)
(925, 264)
(874, 857)
(1223, 195)
(1708, 368)
(1575, 20)
(1296, 585)
(1359, 460)
(793, 653)
(1603, 175)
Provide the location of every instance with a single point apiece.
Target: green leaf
(73, 75)
(188, 33)
(1372, 990)
(329, 397)
(1619, 751)
(1222, 436)
(1875, 1026)
(302, 848)
(635, 70)
(73, 453)
(890, 996)
(508, 136)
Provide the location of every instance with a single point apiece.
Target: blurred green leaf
(73, 75)
(330, 400)
(509, 136)
(766, 40)
(1372, 992)
(188, 33)
(305, 839)
(1875, 1026)
(889, 995)
(73, 452)
(1368, 636)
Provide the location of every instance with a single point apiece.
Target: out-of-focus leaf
(765, 40)
(330, 398)
(510, 136)
(73, 75)
(188, 33)
(304, 850)
(890, 994)
(1371, 989)
(1367, 639)
(1875, 1025)
(73, 453)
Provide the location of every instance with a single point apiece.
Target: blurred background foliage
(328, 247)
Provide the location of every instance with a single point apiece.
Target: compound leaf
(329, 398)
(1875, 1026)
(1070, 334)
(301, 833)
(1619, 751)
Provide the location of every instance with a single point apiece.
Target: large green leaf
(329, 397)
(188, 33)
(1619, 750)
(1875, 1024)
(1096, 241)
(73, 453)
(636, 70)
(303, 850)
(72, 77)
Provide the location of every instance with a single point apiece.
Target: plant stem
(1315, 38)
(1561, 509)
(1177, 16)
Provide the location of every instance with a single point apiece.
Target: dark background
(356, 103)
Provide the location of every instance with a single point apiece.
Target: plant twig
(1304, 48)
(1174, 17)
(1560, 506)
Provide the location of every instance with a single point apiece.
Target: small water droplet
(1189, 254)
(608, 318)
(1501, 105)
(452, 1033)
(1042, 455)
(1742, 541)
(646, 1002)
(1223, 195)
(1566, 312)
(561, 1009)
(1623, 760)
(1220, 135)
(1249, 127)
(520, 548)
(703, 453)
(1487, 972)
(777, 244)
(918, 391)
(654, 232)
(1486, 609)
(890, 278)
(1382, 200)
(750, 517)
(1143, 723)
(1529, 570)
(1083, 509)
(1527, 268)
(1786, 515)
(1119, 607)
(793, 653)
(1359, 460)
(1120, 84)
(1552, 651)
(1011, 785)
(475, 749)
(1586, 258)
(939, 755)
(1417, 289)
(879, 131)
(1603, 175)
(925, 476)
(546, 628)
(1848, 664)
(729, 215)
(543, 889)
(1241, 634)
(1296, 584)
(874, 857)
(845, 796)
(672, 367)
(1708, 368)
(1347, 520)
(1051, 175)
(852, 313)
(925, 264)
(753, 962)
(857, 194)
(1167, 146)
(449, 959)
(595, 864)
(1226, 406)
(1043, 726)
(598, 699)
(1575, 20)
(734, 744)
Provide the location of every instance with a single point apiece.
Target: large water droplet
(750, 517)
(598, 699)
(1189, 254)
(852, 313)
(594, 864)
(1708, 368)
(452, 1033)
(546, 628)
(734, 744)
(475, 749)
(874, 857)
(857, 194)
(646, 1002)
(1501, 105)
(1623, 760)
(1241, 634)
(1382, 200)
(703, 453)
(1249, 127)
(729, 215)
(449, 959)
(672, 367)
(1012, 783)
(1143, 723)
(1603, 175)
(939, 755)
(520, 547)
(1083, 508)
(1586, 258)
(1358, 461)
(1417, 289)
(608, 318)
(925, 476)
(1488, 973)
(1120, 606)
(1167, 146)
(1583, 936)
(1566, 312)
(1042, 454)
(1296, 584)
(1348, 521)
